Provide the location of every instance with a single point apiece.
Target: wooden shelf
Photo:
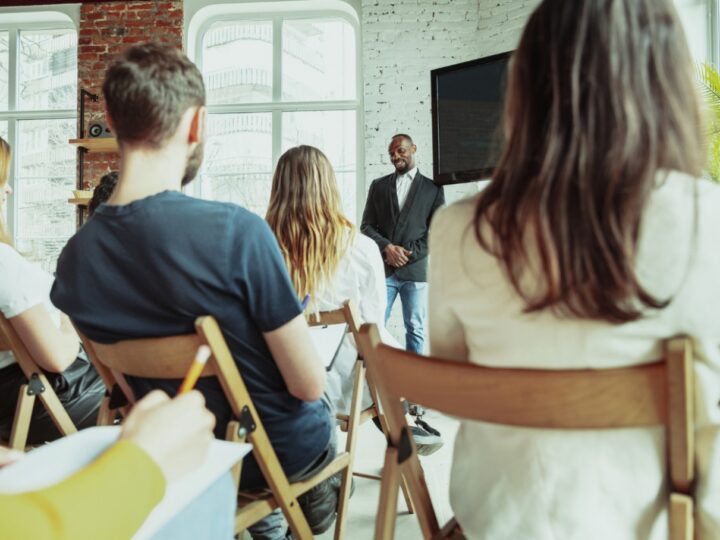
(99, 144)
(80, 202)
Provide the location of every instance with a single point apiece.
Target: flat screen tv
(467, 104)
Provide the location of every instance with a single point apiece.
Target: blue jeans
(413, 297)
(210, 515)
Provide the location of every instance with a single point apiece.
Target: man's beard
(193, 164)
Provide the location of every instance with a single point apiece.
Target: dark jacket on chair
(386, 223)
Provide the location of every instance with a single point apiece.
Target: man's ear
(108, 121)
(197, 125)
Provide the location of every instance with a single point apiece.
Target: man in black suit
(397, 216)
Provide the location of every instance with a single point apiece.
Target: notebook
(49, 464)
(327, 339)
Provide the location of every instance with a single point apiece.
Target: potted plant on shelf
(710, 82)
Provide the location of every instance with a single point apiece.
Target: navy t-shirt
(150, 268)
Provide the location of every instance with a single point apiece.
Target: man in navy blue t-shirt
(152, 260)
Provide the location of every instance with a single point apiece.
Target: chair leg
(353, 423)
(386, 431)
(681, 517)
(104, 417)
(21, 422)
(387, 508)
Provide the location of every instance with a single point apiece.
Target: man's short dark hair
(408, 138)
(103, 190)
(148, 90)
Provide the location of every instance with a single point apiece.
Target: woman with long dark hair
(594, 241)
(47, 334)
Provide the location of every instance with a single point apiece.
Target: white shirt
(22, 285)
(514, 483)
(360, 277)
(404, 181)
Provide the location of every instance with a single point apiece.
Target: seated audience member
(48, 335)
(594, 242)
(174, 258)
(329, 260)
(112, 497)
(103, 190)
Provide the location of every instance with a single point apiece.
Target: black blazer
(384, 222)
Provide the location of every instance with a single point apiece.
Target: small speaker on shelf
(97, 129)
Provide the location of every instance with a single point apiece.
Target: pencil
(196, 368)
(305, 301)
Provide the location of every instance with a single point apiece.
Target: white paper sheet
(327, 340)
(49, 464)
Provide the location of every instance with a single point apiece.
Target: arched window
(38, 94)
(276, 79)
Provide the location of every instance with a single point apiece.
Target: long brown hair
(600, 100)
(305, 213)
(5, 157)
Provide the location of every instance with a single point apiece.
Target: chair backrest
(658, 393)
(347, 313)
(170, 358)
(10, 340)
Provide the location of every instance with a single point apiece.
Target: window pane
(4, 68)
(333, 132)
(237, 62)
(318, 60)
(47, 69)
(238, 160)
(4, 129)
(45, 180)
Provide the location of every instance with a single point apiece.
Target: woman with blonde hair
(595, 241)
(46, 332)
(327, 258)
(331, 261)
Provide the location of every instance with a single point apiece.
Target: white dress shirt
(404, 181)
(359, 277)
(545, 484)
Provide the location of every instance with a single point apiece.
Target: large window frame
(13, 115)
(277, 106)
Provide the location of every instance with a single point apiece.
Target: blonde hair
(306, 216)
(5, 156)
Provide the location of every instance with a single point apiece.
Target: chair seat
(255, 505)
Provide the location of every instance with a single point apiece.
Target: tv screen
(467, 104)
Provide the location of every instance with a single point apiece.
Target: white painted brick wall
(402, 41)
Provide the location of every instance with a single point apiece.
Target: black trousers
(79, 388)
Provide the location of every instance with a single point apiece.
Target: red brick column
(106, 29)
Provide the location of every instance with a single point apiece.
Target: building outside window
(275, 81)
(38, 88)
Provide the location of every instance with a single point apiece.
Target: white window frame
(714, 33)
(277, 106)
(14, 115)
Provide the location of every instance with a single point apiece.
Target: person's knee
(319, 505)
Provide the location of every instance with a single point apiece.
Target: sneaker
(426, 442)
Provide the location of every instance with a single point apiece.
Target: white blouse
(360, 277)
(515, 483)
(22, 285)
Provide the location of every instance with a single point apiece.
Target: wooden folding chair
(347, 313)
(170, 358)
(660, 393)
(37, 386)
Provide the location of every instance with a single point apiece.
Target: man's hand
(396, 256)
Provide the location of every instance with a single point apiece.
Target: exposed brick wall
(402, 42)
(106, 29)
